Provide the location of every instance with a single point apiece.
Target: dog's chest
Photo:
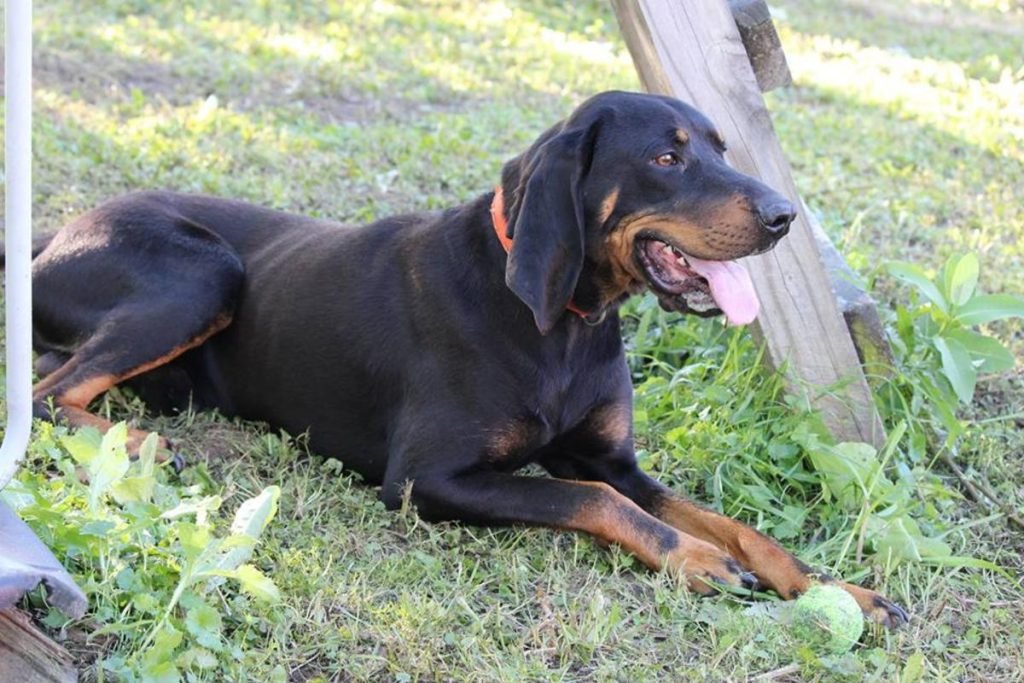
(552, 400)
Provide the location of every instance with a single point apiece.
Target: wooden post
(761, 43)
(692, 50)
(28, 656)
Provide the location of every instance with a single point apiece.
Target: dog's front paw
(709, 570)
(878, 608)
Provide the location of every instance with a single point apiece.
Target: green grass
(905, 130)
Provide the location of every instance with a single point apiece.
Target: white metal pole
(18, 243)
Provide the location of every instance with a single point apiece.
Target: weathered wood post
(28, 656)
(692, 50)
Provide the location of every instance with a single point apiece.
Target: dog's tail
(39, 242)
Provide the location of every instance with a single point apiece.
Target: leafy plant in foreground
(150, 556)
(935, 337)
(707, 403)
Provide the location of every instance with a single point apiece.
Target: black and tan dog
(446, 350)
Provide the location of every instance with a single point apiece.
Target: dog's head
(633, 191)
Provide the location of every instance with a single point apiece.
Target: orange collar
(501, 229)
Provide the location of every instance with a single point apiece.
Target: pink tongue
(731, 287)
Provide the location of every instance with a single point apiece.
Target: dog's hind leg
(49, 362)
(119, 293)
(124, 347)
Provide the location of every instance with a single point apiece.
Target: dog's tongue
(731, 287)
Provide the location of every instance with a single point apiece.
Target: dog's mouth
(688, 284)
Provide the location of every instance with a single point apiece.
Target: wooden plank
(692, 50)
(858, 308)
(761, 41)
(28, 656)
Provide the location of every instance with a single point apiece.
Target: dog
(445, 350)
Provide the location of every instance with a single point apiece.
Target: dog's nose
(775, 216)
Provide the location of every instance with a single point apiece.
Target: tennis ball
(827, 618)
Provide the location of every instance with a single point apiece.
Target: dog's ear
(546, 219)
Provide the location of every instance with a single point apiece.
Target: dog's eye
(667, 159)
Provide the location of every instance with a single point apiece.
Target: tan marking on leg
(775, 567)
(72, 402)
(82, 394)
(613, 518)
(48, 363)
(219, 323)
(79, 417)
(509, 439)
(613, 422)
(44, 386)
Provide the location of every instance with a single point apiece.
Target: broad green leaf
(223, 555)
(160, 672)
(99, 528)
(147, 454)
(251, 519)
(204, 623)
(17, 494)
(988, 307)
(846, 470)
(993, 356)
(197, 657)
(134, 489)
(893, 539)
(146, 602)
(931, 548)
(110, 464)
(900, 538)
(158, 661)
(194, 538)
(915, 276)
(913, 670)
(166, 641)
(252, 581)
(83, 445)
(957, 367)
(200, 507)
(960, 277)
(254, 514)
(943, 404)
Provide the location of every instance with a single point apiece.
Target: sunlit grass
(326, 49)
(909, 153)
(935, 92)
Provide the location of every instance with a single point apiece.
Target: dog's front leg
(495, 498)
(774, 566)
(602, 450)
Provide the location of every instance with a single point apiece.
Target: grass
(905, 129)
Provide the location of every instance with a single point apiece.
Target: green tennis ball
(827, 618)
